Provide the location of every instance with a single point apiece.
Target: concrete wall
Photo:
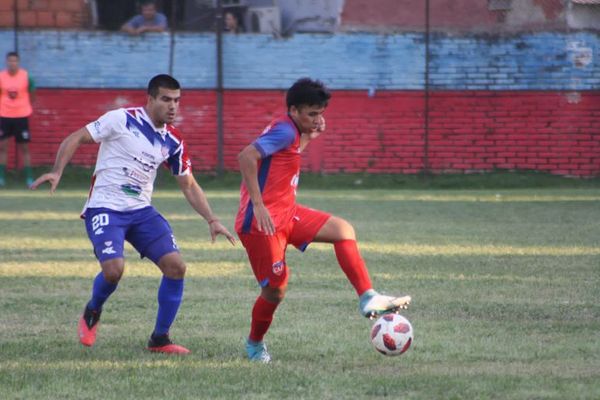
(544, 61)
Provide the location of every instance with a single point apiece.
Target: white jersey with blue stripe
(131, 150)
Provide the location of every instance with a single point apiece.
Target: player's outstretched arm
(248, 159)
(65, 152)
(197, 199)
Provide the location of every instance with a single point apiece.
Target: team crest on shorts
(278, 267)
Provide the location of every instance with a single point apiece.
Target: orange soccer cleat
(88, 324)
(163, 344)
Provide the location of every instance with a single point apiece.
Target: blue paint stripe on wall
(542, 61)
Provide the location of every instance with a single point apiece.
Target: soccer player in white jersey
(134, 142)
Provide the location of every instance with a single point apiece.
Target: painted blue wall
(542, 61)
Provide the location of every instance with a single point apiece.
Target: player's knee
(172, 266)
(175, 270)
(112, 272)
(345, 230)
(274, 294)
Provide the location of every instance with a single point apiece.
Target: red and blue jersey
(278, 174)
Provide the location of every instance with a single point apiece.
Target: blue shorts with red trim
(147, 231)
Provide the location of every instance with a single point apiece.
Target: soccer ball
(392, 334)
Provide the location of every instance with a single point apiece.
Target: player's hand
(52, 177)
(216, 228)
(264, 223)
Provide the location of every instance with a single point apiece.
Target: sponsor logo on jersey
(137, 175)
(131, 190)
(148, 155)
(136, 132)
(278, 267)
(97, 127)
(146, 166)
(99, 231)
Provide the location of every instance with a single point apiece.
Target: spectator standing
(16, 95)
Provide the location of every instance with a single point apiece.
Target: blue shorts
(146, 230)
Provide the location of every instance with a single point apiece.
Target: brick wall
(469, 131)
(451, 15)
(45, 13)
(545, 131)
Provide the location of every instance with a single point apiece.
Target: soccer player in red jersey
(269, 218)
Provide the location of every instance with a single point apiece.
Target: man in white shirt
(134, 142)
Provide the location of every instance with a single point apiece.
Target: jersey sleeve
(105, 127)
(179, 161)
(275, 139)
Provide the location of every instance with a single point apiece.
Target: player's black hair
(307, 92)
(162, 81)
(12, 54)
(144, 3)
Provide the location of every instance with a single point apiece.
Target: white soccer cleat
(373, 304)
(257, 352)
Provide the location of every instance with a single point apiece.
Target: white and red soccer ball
(392, 334)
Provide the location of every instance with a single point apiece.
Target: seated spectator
(232, 23)
(148, 21)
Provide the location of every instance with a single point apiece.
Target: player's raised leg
(341, 233)
(170, 295)
(104, 285)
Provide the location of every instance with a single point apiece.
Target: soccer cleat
(373, 304)
(257, 352)
(88, 324)
(163, 344)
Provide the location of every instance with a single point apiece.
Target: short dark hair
(162, 81)
(307, 92)
(144, 3)
(12, 54)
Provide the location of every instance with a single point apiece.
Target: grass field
(505, 286)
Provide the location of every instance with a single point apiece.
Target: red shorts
(267, 253)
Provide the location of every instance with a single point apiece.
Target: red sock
(353, 265)
(262, 316)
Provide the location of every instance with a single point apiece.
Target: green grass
(505, 287)
(78, 177)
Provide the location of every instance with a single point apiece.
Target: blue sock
(170, 294)
(100, 292)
